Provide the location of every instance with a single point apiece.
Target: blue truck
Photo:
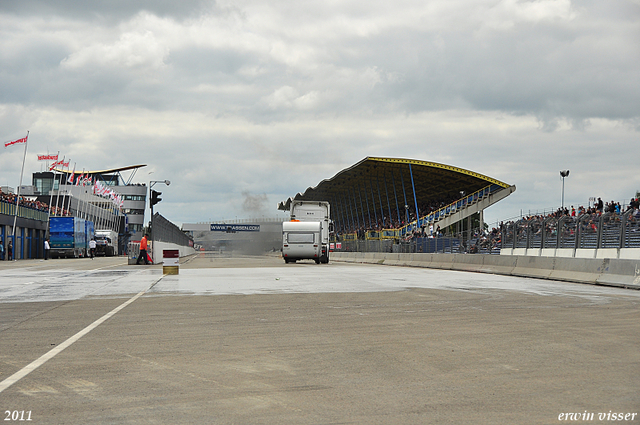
(69, 237)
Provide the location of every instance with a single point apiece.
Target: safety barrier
(608, 272)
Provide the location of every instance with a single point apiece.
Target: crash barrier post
(170, 261)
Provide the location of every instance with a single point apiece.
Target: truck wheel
(317, 261)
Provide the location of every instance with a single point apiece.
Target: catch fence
(474, 242)
(587, 231)
(165, 231)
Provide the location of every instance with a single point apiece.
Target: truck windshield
(300, 238)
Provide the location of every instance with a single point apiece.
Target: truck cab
(106, 243)
(315, 211)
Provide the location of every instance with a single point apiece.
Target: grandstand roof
(112, 170)
(373, 178)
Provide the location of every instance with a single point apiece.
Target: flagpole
(58, 192)
(68, 190)
(15, 217)
(59, 183)
(81, 191)
(51, 197)
(79, 195)
(104, 215)
(101, 213)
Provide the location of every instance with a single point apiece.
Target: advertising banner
(232, 228)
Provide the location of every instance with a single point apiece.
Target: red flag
(23, 140)
(70, 180)
(55, 164)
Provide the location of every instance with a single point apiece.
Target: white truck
(106, 243)
(307, 217)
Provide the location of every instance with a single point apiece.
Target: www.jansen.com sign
(235, 227)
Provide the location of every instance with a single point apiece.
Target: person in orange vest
(143, 251)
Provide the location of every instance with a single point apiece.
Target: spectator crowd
(33, 204)
(585, 220)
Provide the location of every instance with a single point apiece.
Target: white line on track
(57, 350)
(110, 266)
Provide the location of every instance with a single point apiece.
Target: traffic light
(155, 197)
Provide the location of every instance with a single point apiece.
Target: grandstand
(394, 197)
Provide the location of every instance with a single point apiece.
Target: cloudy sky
(242, 104)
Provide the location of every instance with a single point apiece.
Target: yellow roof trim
(438, 165)
(113, 170)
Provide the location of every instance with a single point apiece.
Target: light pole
(563, 174)
(154, 199)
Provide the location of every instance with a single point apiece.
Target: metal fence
(165, 231)
(474, 242)
(23, 211)
(587, 231)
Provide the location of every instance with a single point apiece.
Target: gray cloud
(106, 10)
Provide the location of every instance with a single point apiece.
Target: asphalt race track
(250, 340)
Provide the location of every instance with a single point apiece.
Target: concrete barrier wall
(161, 246)
(613, 253)
(616, 272)
(577, 270)
(623, 273)
(539, 267)
(499, 265)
